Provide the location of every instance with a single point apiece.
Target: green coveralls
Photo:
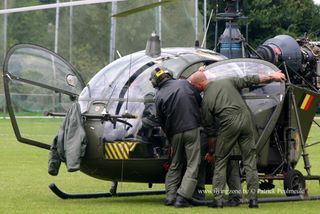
(233, 173)
(185, 148)
(227, 117)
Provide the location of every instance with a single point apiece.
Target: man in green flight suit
(227, 121)
(233, 171)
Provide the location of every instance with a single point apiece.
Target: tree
(268, 18)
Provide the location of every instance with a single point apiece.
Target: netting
(84, 32)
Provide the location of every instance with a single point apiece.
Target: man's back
(223, 96)
(177, 104)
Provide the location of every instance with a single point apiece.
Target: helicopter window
(241, 68)
(134, 87)
(261, 99)
(137, 98)
(245, 67)
(108, 83)
(40, 66)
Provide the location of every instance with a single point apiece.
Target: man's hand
(278, 76)
(211, 158)
(202, 68)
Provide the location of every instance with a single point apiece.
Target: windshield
(117, 81)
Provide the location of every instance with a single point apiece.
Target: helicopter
(119, 140)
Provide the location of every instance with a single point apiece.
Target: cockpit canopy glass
(261, 99)
(123, 87)
(127, 79)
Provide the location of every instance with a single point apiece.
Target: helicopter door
(38, 84)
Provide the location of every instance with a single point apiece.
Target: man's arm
(209, 122)
(251, 80)
(275, 76)
(211, 127)
(159, 113)
(210, 156)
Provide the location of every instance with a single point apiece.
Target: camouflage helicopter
(109, 128)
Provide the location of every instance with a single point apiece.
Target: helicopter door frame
(7, 77)
(188, 71)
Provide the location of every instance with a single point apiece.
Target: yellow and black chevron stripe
(118, 149)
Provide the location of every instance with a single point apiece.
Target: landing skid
(65, 195)
(195, 202)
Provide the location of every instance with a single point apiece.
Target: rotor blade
(142, 8)
(55, 5)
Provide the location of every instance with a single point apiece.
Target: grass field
(24, 184)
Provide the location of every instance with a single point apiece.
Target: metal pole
(113, 32)
(216, 30)
(56, 40)
(205, 20)
(5, 22)
(70, 32)
(55, 5)
(156, 16)
(158, 21)
(247, 34)
(56, 29)
(305, 155)
(196, 19)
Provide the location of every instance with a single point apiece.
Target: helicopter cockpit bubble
(121, 87)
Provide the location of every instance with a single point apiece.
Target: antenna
(153, 47)
(205, 33)
(127, 100)
(119, 54)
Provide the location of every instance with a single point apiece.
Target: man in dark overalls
(227, 121)
(178, 110)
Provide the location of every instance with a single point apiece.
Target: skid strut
(65, 195)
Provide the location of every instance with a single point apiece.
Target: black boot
(181, 202)
(199, 194)
(216, 204)
(232, 203)
(253, 203)
(169, 202)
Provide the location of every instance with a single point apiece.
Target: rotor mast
(231, 42)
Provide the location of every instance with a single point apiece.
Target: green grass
(24, 183)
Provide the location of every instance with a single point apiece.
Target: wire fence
(3, 108)
(33, 104)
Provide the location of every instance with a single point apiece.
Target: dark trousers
(185, 149)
